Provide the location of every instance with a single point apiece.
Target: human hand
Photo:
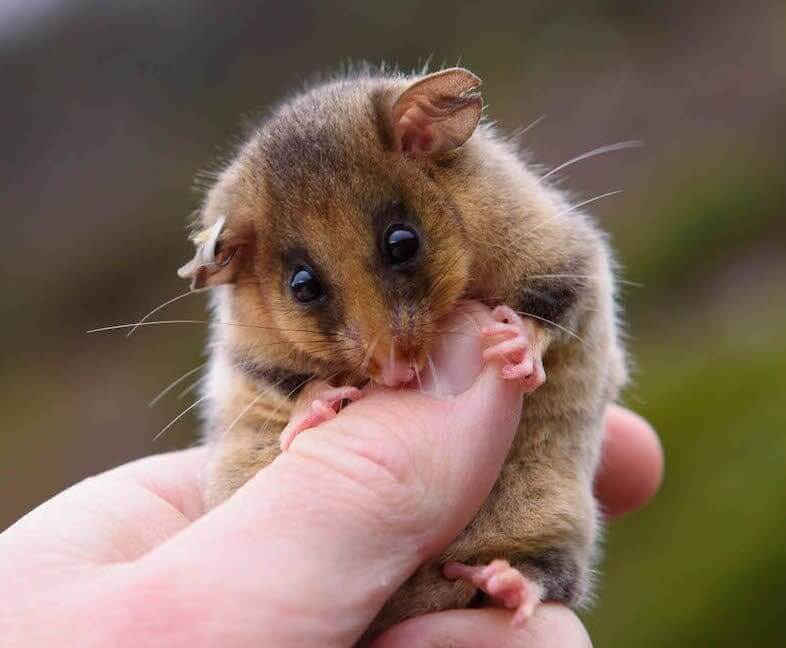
(630, 474)
(306, 552)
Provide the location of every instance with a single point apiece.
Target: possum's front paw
(323, 407)
(505, 585)
(521, 349)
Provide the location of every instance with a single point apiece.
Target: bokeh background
(108, 110)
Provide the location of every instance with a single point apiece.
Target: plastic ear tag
(205, 256)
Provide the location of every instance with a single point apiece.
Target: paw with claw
(520, 347)
(505, 585)
(323, 406)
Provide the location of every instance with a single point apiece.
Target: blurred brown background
(109, 109)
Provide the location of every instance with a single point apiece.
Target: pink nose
(396, 372)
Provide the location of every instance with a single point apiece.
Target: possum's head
(332, 235)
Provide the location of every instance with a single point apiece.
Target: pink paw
(506, 585)
(521, 348)
(324, 407)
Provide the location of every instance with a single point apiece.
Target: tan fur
(310, 174)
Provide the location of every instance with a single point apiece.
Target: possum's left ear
(437, 113)
(217, 258)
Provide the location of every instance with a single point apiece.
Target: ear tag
(204, 262)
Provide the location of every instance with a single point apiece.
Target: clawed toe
(504, 584)
(321, 409)
(518, 349)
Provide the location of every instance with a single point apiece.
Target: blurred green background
(109, 109)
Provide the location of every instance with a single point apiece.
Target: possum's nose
(395, 372)
(391, 369)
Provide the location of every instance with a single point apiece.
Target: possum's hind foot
(521, 349)
(324, 406)
(505, 585)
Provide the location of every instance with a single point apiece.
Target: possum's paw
(324, 407)
(505, 585)
(521, 348)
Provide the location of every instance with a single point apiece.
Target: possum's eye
(401, 243)
(304, 285)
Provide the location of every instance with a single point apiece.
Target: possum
(358, 215)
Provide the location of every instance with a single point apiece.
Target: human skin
(308, 550)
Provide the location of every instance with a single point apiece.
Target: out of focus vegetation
(109, 109)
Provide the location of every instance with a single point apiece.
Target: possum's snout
(392, 367)
(396, 373)
(397, 362)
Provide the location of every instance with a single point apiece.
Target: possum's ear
(437, 113)
(217, 258)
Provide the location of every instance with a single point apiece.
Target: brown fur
(311, 183)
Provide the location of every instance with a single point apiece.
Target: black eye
(401, 243)
(304, 285)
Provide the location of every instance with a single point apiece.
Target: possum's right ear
(216, 260)
(436, 114)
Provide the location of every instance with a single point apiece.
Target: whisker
(189, 389)
(566, 211)
(117, 327)
(427, 300)
(438, 333)
(437, 382)
(263, 428)
(609, 148)
(513, 246)
(174, 384)
(392, 353)
(548, 321)
(472, 322)
(417, 376)
(367, 358)
(520, 132)
(158, 308)
(354, 372)
(178, 417)
(581, 276)
(243, 412)
(330, 347)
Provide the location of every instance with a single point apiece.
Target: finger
(631, 468)
(456, 357)
(375, 491)
(118, 515)
(176, 477)
(552, 626)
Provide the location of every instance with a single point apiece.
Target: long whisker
(548, 321)
(263, 428)
(442, 277)
(512, 246)
(189, 389)
(117, 327)
(369, 353)
(437, 382)
(581, 276)
(567, 211)
(439, 332)
(392, 352)
(609, 148)
(520, 132)
(472, 323)
(158, 308)
(329, 346)
(417, 376)
(174, 384)
(178, 417)
(253, 402)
